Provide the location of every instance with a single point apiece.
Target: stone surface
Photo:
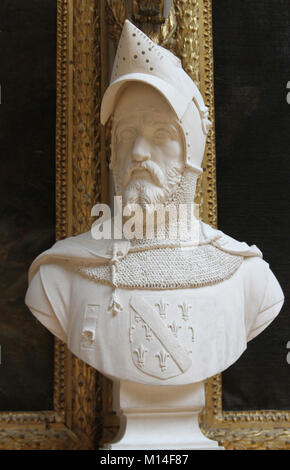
(160, 417)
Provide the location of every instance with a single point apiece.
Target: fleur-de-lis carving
(131, 330)
(192, 333)
(162, 356)
(148, 331)
(137, 318)
(162, 305)
(141, 351)
(185, 310)
(174, 328)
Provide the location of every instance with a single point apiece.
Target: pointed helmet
(140, 59)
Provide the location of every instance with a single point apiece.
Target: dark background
(252, 68)
(27, 208)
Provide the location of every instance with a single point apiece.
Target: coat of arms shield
(161, 336)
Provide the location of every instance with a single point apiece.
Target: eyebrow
(168, 122)
(131, 117)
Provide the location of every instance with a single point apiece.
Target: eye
(126, 135)
(162, 135)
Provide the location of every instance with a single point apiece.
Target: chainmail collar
(164, 268)
(164, 264)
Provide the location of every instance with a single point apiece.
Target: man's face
(148, 146)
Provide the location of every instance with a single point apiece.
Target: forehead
(139, 98)
(151, 118)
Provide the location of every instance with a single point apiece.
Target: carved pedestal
(159, 417)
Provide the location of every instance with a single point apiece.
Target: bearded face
(148, 147)
(147, 184)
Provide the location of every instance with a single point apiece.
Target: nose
(141, 150)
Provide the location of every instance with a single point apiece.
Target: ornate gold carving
(38, 439)
(209, 178)
(59, 375)
(29, 418)
(149, 11)
(234, 430)
(250, 438)
(61, 179)
(238, 430)
(46, 418)
(86, 163)
(188, 49)
(116, 15)
(166, 35)
(192, 41)
(86, 187)
(76, 419)
(187, 41)
(86, 405)
(61, 118)
(111, 420)
(118, 9)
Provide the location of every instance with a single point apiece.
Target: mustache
(152, 168)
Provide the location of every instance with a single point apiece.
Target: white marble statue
(158, 311)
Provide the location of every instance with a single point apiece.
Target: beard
(154, 189)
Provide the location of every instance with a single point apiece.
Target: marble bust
(155, 311)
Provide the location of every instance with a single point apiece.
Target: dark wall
(251, 56)
(27, 186)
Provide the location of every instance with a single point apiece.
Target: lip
(140, 172)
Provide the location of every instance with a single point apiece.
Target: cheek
(123, 155)
(169, 153)
(175, 150)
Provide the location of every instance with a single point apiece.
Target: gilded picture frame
(81, 418)
(76, 420)
(251, 430)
